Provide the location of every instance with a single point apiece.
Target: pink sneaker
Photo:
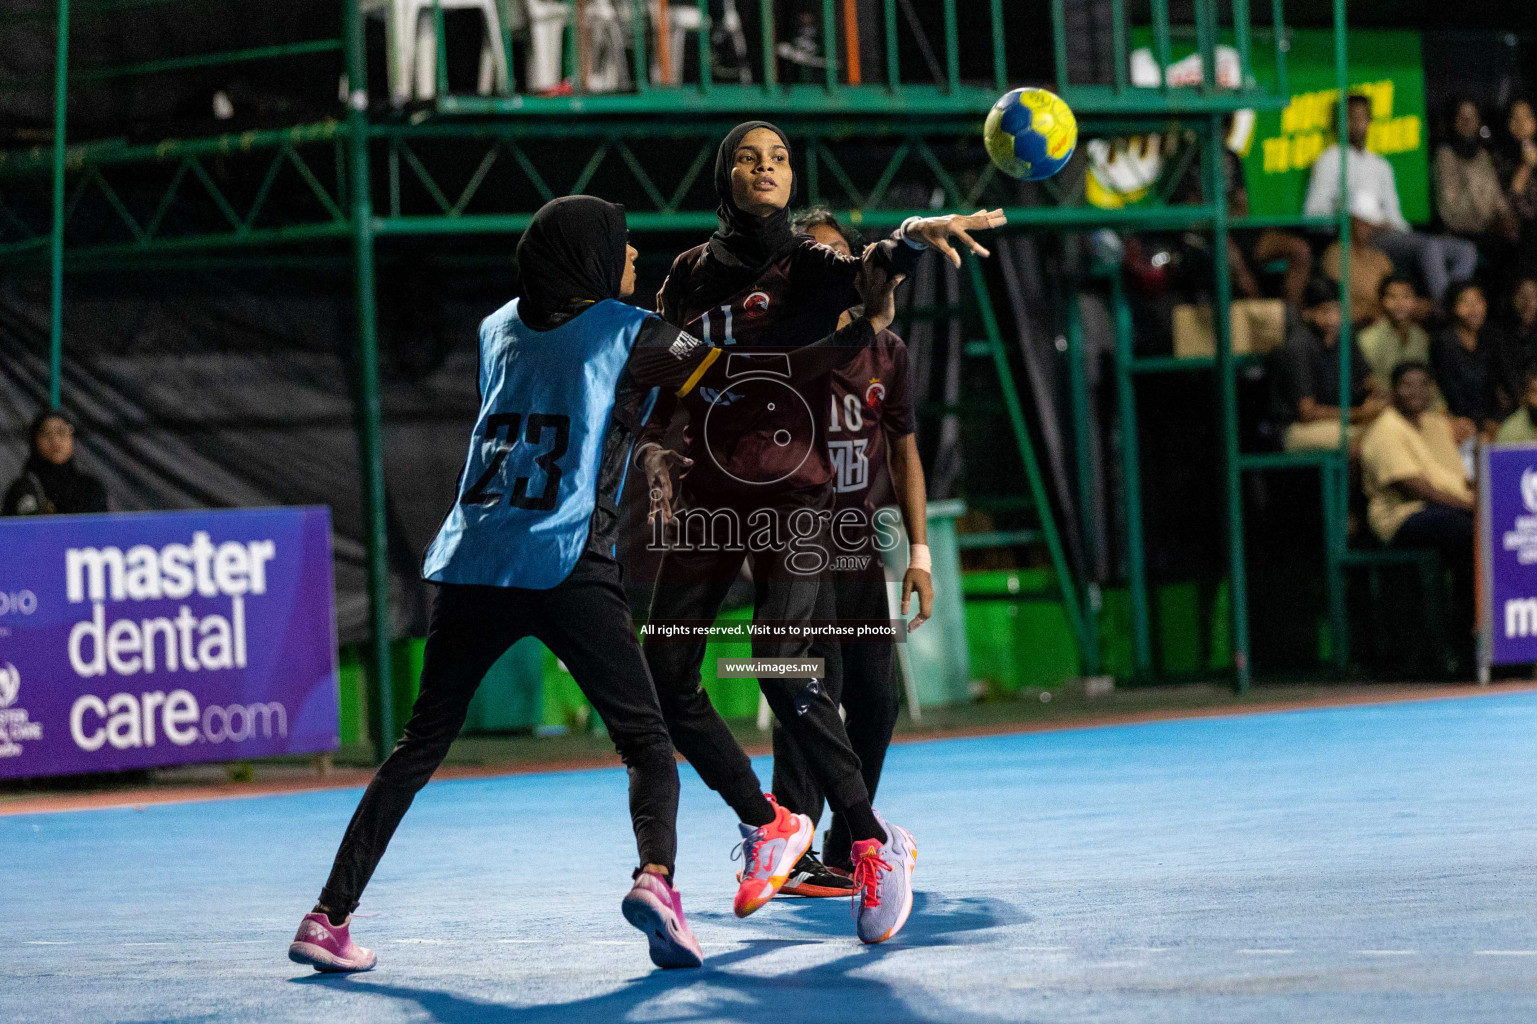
(329, 947)
(655, 908)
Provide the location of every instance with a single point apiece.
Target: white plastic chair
(412, 33)
(608, 34)
(545, 21)
(683, 18)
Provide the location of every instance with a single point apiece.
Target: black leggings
(691, 585)
(586, 623)
(859, 677)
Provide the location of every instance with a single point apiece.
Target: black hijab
(67, 489)
(571, 256)
(743, 240)
(1465, 147)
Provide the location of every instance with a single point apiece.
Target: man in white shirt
(1439, 259)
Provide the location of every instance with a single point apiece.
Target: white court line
(1266, 952)
(126, 944)
(1505, 952)
(1387, 952)
(45, 942)
(422, 942)
(1150, 949)
(1040, 949)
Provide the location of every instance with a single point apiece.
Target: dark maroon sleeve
(898, 418)
(830, 273)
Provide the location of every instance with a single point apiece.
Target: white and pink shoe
(654, 906)
(329, 947)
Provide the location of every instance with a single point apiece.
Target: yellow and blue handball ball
(1030, 134)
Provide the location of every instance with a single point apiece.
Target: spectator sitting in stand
(1519, 337)
(1369, 266)
(1416, 484)
(1521, 425)
(1394, 337)
(1463, 357)
(1437, 258)
(50, 482)
(1307, 375)
(1518, 177)
(1468, 193)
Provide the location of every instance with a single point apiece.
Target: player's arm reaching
(899, 252)
(937, 231)
(898, 427)
(912, 497)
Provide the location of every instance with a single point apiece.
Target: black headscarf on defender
(743, 241)
(571, 256)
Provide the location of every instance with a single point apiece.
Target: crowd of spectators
(1443, 351)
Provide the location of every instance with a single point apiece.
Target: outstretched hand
(936, 231)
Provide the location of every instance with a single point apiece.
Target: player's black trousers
(859, 677)
(586, 623)
(691, 585)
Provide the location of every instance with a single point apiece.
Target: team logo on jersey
(875, 393)
(851, 464)
(683, 345)
(755, 305)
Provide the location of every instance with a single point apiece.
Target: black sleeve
(832, 272)
(1360, 373)
(1294, 377)
(664, 356)
(97, 501)
(904, 258)
(654, 429)
(13, 495)
(832, 352)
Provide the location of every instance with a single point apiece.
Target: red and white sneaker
(329, 947)
(768, 854)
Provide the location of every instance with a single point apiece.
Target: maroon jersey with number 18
(871, 401)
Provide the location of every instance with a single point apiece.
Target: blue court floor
(1356, 864)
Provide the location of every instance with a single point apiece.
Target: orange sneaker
(768, 853)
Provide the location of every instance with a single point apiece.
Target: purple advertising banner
(146, 639)
(1508, 553)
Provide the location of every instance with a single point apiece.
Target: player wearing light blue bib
(530, 483)
(567, 374)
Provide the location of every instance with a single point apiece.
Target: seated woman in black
(1463, 355)
(50, 482)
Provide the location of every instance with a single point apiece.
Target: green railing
(832, 121)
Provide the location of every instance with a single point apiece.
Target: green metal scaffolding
(919, 119)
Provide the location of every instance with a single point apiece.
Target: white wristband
(918, 558)
(909, 239)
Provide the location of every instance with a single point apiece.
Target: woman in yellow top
(1417, 489)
